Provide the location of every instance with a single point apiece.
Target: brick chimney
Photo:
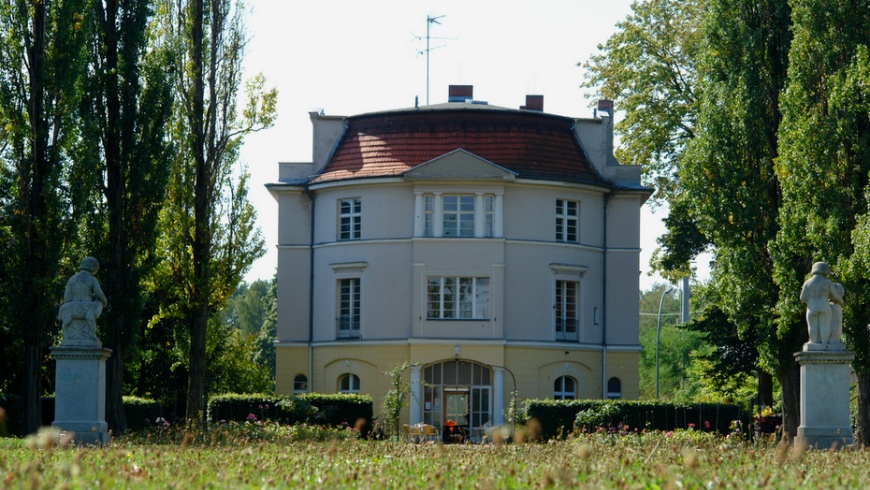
(460, 93)
(533, 103)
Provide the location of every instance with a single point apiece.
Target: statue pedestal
(825, 379)
(80, 392)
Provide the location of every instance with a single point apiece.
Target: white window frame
(562, 308)
(353, 383)
(459, 213)
(296, 382)
(452, 304)
(345, 271)
(567, 273)
(349, 218)
(614, 395)
(561, 391)
(567, 221)
(353, 306)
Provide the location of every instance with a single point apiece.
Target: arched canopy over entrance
(457, 391)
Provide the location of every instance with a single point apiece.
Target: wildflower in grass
(691, 426)
(707, 424)
(252, 417)
(669, 433)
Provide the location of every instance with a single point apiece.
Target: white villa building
(496, 250)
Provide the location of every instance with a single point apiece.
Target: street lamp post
(659, 334)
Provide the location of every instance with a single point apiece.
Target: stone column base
(824, 398)
(80, 392)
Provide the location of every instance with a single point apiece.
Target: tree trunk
(862, 432)
(791, 409)
(117, 272)
(33, 318)
(765, 389)
(202, 224)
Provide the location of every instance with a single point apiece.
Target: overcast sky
(348, 57)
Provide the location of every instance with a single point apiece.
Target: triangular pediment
(459, 165)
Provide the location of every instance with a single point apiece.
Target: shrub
(238, 407)
(141, 413)
(295, 410)
(336, 410)
(561, 416)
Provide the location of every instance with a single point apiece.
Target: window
(457, 298)
(349, 218)
(428, 215)
(614, 388)
(300, 384)
(348, 308)
(565, 388)
(566, 310)
(348, 383)
(458, 215)
(567, 218)
(488, 216)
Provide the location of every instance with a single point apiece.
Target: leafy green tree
(40, 70)
(728, 192)
(214, 239)
(823, 168)
(248, 306)
(252, 310)
(123, 161)
(648, 66)
(265, 355)
(232, 368)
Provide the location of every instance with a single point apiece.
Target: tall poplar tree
(700, 83)
(123, 160)
(213, 240)
(728, 188)
(41, 45)
(823, 167)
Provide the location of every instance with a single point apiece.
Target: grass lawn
(684, 459)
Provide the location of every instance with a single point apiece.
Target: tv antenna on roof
(429, 21)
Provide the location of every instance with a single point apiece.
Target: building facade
(495, 250)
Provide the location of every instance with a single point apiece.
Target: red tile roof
(532, 144)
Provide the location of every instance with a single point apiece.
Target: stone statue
(824, 301)
(83, 301)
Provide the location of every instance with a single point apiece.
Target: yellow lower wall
(535, 368)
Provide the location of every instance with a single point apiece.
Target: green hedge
(340, 409)
(240, 407)
(558, 417)
(314, 408)
(141, 413)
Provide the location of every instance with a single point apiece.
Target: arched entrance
(458, 391)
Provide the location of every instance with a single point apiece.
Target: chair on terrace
(430, 433)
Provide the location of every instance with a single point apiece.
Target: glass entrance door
(456, 408)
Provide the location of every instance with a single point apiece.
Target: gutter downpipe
(311, 198)
(604, 302)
